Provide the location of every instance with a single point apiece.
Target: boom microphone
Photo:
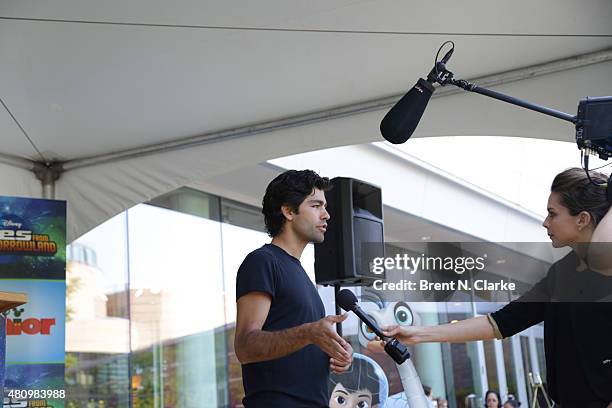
(401, 121)
(393, 347)
(593, 121)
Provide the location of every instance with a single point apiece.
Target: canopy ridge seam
(308, 30)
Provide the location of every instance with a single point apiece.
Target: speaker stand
(337, 288)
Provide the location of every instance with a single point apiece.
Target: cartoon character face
(364, 385)
(343, 398)
(396, 313)
(391, 314)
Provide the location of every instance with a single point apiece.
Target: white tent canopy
(127, 100)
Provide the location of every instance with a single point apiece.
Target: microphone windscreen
(346, 299)
(400, 122)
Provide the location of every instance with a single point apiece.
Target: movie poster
(2, 346)
(33, 261)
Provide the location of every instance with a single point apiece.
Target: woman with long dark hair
(570, 299)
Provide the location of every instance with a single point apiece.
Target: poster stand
(8, 301)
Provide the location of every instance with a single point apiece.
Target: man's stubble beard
(314, 237)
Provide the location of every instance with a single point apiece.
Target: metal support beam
(310, 118)
(339, 112)
(17, 162)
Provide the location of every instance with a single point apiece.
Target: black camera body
(594, 125)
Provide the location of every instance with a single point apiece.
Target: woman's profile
(573, 299)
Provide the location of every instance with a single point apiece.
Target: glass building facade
(151, 315)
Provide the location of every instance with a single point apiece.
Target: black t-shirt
(577, 328)
(299, 379)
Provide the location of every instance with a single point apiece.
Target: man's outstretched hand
(323, 334)
(340, 366)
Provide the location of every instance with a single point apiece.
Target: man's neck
(290, 244)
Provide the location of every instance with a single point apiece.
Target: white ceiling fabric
(80, 79)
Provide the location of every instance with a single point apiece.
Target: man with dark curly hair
(284, 341)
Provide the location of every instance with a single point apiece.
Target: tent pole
(48, 175)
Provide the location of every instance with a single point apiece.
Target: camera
(594, 126)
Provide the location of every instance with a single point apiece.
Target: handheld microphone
(393, 347)
(348, 301)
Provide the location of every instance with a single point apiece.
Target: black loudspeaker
(355, 234)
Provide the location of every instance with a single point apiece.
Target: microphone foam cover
(346, 299)
(400, 122)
